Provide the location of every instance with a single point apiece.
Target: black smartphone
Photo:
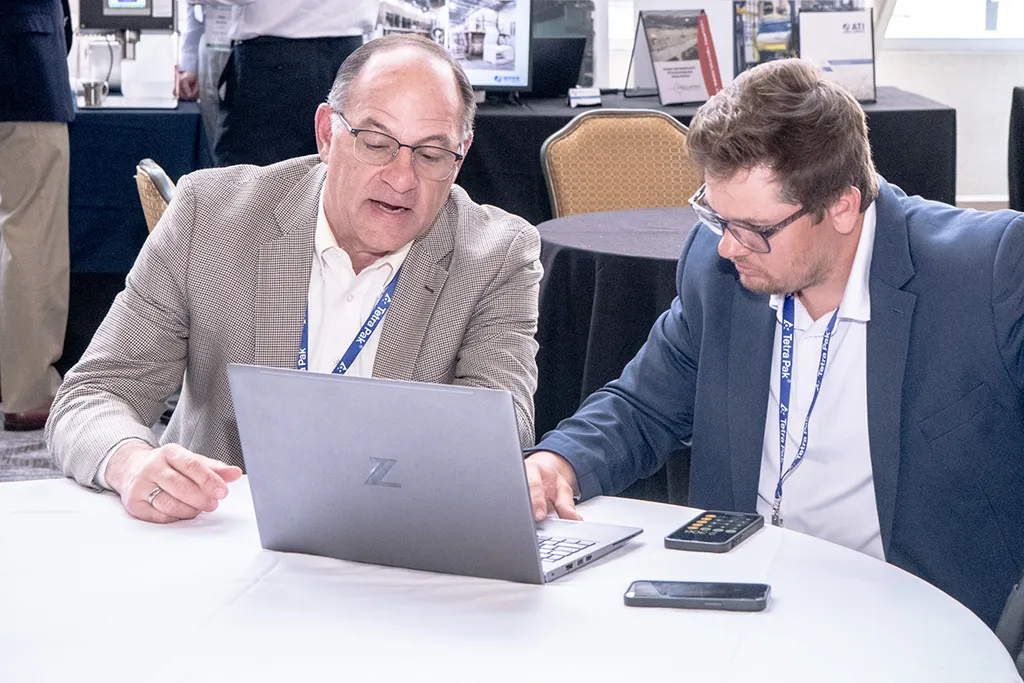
(736, 597)
(714, 531)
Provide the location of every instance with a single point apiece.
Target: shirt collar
(856, 303)
(324, 241)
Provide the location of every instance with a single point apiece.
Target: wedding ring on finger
(151, 496)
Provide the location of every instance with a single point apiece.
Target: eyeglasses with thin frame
(753, 237)
(380, 149)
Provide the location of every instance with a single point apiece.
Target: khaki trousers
(34, 177)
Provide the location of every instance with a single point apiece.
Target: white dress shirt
(303, 18)
(340, 301)
(203, 22)
(831, 494)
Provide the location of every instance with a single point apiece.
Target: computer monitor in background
(555, 66)
(489, 38)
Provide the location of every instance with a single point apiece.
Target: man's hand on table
(552, 482)
(168, 483)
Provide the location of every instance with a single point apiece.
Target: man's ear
(845, 212)
(324, 131)
(465, 150)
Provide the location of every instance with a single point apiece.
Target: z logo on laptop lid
(380, 470)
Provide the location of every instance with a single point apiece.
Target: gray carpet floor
(23, 456)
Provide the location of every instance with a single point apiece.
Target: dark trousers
(272, 87)
(1017, 150)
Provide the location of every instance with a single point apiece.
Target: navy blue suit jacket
(945, 372)
(34, 83)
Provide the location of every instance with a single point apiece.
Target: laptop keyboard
(553, 549)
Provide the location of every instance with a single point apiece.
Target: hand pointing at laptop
(552, 482)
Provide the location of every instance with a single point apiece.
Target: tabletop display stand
(674, 56)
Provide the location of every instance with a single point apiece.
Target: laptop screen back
(406, 474)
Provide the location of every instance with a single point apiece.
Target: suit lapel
(888, 340)
(751, 342)
(424, 274)
(284, 268)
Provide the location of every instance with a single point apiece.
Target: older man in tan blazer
(249, 260)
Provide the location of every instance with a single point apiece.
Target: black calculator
(714, 531)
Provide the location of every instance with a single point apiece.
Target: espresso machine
(137, 74)
(126, 20)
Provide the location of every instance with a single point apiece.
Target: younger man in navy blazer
(846, 360)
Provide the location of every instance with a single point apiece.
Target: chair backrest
(611, 159)
(155, 190)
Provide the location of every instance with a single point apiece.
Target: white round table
(89, 594)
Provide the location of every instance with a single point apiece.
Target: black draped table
(607, 278)
(913, 141)
(105, 220)
(107, 226)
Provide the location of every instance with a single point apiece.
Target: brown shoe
(26, 422)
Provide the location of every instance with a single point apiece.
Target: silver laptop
(407, 474)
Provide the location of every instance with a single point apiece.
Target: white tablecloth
(89, 594)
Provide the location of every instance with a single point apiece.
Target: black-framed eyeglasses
(380, 149)
(753, 237)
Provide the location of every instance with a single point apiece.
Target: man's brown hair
(786, 117)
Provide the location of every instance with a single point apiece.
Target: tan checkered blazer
(223, 279)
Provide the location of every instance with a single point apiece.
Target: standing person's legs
(211, 65)
(34, 168)
(272, 87)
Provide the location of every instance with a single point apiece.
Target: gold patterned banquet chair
(155, 190)
(608, 159)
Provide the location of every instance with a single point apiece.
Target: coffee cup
(94, 91)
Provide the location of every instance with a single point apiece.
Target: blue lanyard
(361, 338)
(785, 384)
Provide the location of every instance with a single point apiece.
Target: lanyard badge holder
(785, 384)
(363, 336)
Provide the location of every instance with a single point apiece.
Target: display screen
(127, 4)
(490, 39)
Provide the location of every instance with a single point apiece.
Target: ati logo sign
(381, 467)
